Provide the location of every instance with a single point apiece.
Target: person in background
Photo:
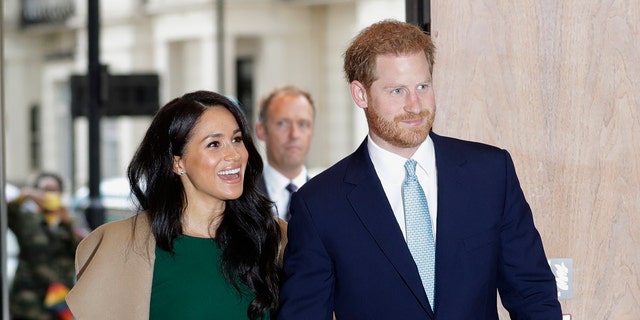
(412, 225)
(13, 249)
(204, 244)
(285, 124)
(47, 242)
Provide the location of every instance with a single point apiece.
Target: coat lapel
(454, 208)
(372, 207)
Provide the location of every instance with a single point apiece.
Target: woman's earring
(181, 173)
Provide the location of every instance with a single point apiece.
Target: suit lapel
(452, 192)
(453, 207)
(372, 207)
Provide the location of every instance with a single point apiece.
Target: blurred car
(116, 197)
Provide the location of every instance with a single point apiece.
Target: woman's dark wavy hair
(248, 235)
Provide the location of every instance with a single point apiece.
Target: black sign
(35, 12)
(126, 95)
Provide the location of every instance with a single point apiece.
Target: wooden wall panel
(557, 83)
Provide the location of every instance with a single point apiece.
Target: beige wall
(557, 83)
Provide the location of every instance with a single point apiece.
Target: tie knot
(291, 188)
(410, 167)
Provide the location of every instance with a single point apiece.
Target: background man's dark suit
(347, 253)
(262, 186)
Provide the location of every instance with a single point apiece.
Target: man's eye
(283, 124)
(304, 124)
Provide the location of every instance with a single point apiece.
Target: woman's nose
(232, 155)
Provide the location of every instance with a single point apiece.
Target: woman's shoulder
(116, 231)
(115, 227)
(114, 261)
(118, 236)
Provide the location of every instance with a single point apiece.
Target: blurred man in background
(286, 121)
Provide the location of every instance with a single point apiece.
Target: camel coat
(114, 267)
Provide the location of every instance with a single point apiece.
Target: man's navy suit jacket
(346, 252)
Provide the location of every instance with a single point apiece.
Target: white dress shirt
(276, 184)
(390, 169)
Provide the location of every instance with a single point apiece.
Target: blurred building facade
(264, 43)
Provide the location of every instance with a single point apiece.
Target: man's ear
(177, 165)
(261, 131)
(359, 94)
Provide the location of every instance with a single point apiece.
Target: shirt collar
(424, 156)
(275, 178)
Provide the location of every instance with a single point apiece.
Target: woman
(205, 244)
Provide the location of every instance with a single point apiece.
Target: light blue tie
(419, 231)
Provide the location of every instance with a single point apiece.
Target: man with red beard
(412, 225)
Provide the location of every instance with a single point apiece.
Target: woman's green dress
(189, 284)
